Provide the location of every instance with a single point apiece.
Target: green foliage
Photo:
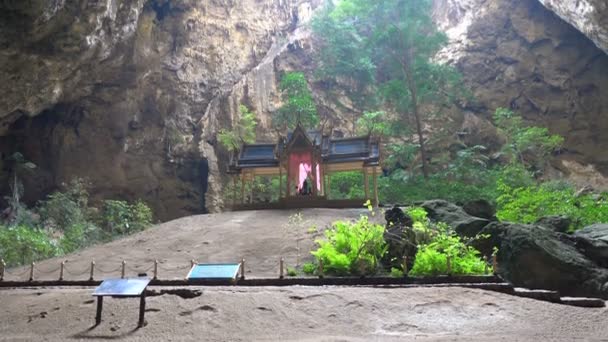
(528, 204)
(242, 132)
(17, 164)
(67, 223)
(396, 273)
(291, 272)
(309, 268)
(121, 218)
(385, 51)
(431, 258)
(351, 247)
(62, 209)
(20, 245)
(532, 146)
(298, 103)
(375, 124)
(347, 185)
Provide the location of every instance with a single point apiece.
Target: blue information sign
(122, 287)
(214, 271)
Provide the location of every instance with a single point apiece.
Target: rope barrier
(38, 270)
(75, 274)
(101, 270)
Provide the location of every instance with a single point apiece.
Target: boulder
(558, 223)
(463, 223)
(593, 242)
(400, 238)
(481, 208)
(535, 257)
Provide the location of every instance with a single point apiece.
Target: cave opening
(204, 182)
(162, 8)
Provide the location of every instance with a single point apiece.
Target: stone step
(545, 295)
(584, 302)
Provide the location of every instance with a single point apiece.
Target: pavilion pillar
(313, 178)
(242, 188)
(376, 202)
(366, 183)
(251, 188)
(288, 192)
(280, 181)
(233, 191)
(322, 179)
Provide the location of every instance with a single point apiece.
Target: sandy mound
(261, 237)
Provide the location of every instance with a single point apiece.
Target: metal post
(92, 270)
(243, 269)
(122, 273)
(61, 269)
(281, 262)
(155, 269)
(320, 268)
(495, 263)
(405, 265)
(2, 268)
(449, 261)
(142, 309)
(99, 308)
(32, 271)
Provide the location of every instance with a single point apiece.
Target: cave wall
(518, 54)
(131, 93)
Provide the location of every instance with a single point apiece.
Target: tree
(386, 48)
(531, 146)
(17, 164)
(374, 124)
(242, 132)
(298, 106)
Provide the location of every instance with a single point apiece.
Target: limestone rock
(588, 16)
(463, 223)
(535, 257)
(400, 238)
(558, 223)
(593, 242)
(480, 208)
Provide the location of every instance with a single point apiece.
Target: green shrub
(431, 258)
(528, 204)
(396, 273)
(347, 185)
(309, 268)
(21, 245)
(120, 217)
(351, 248)
(62, 209)
(291, 272)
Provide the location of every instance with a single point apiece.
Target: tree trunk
(414, 98)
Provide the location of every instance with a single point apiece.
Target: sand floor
(270, 313)
(299, 314)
